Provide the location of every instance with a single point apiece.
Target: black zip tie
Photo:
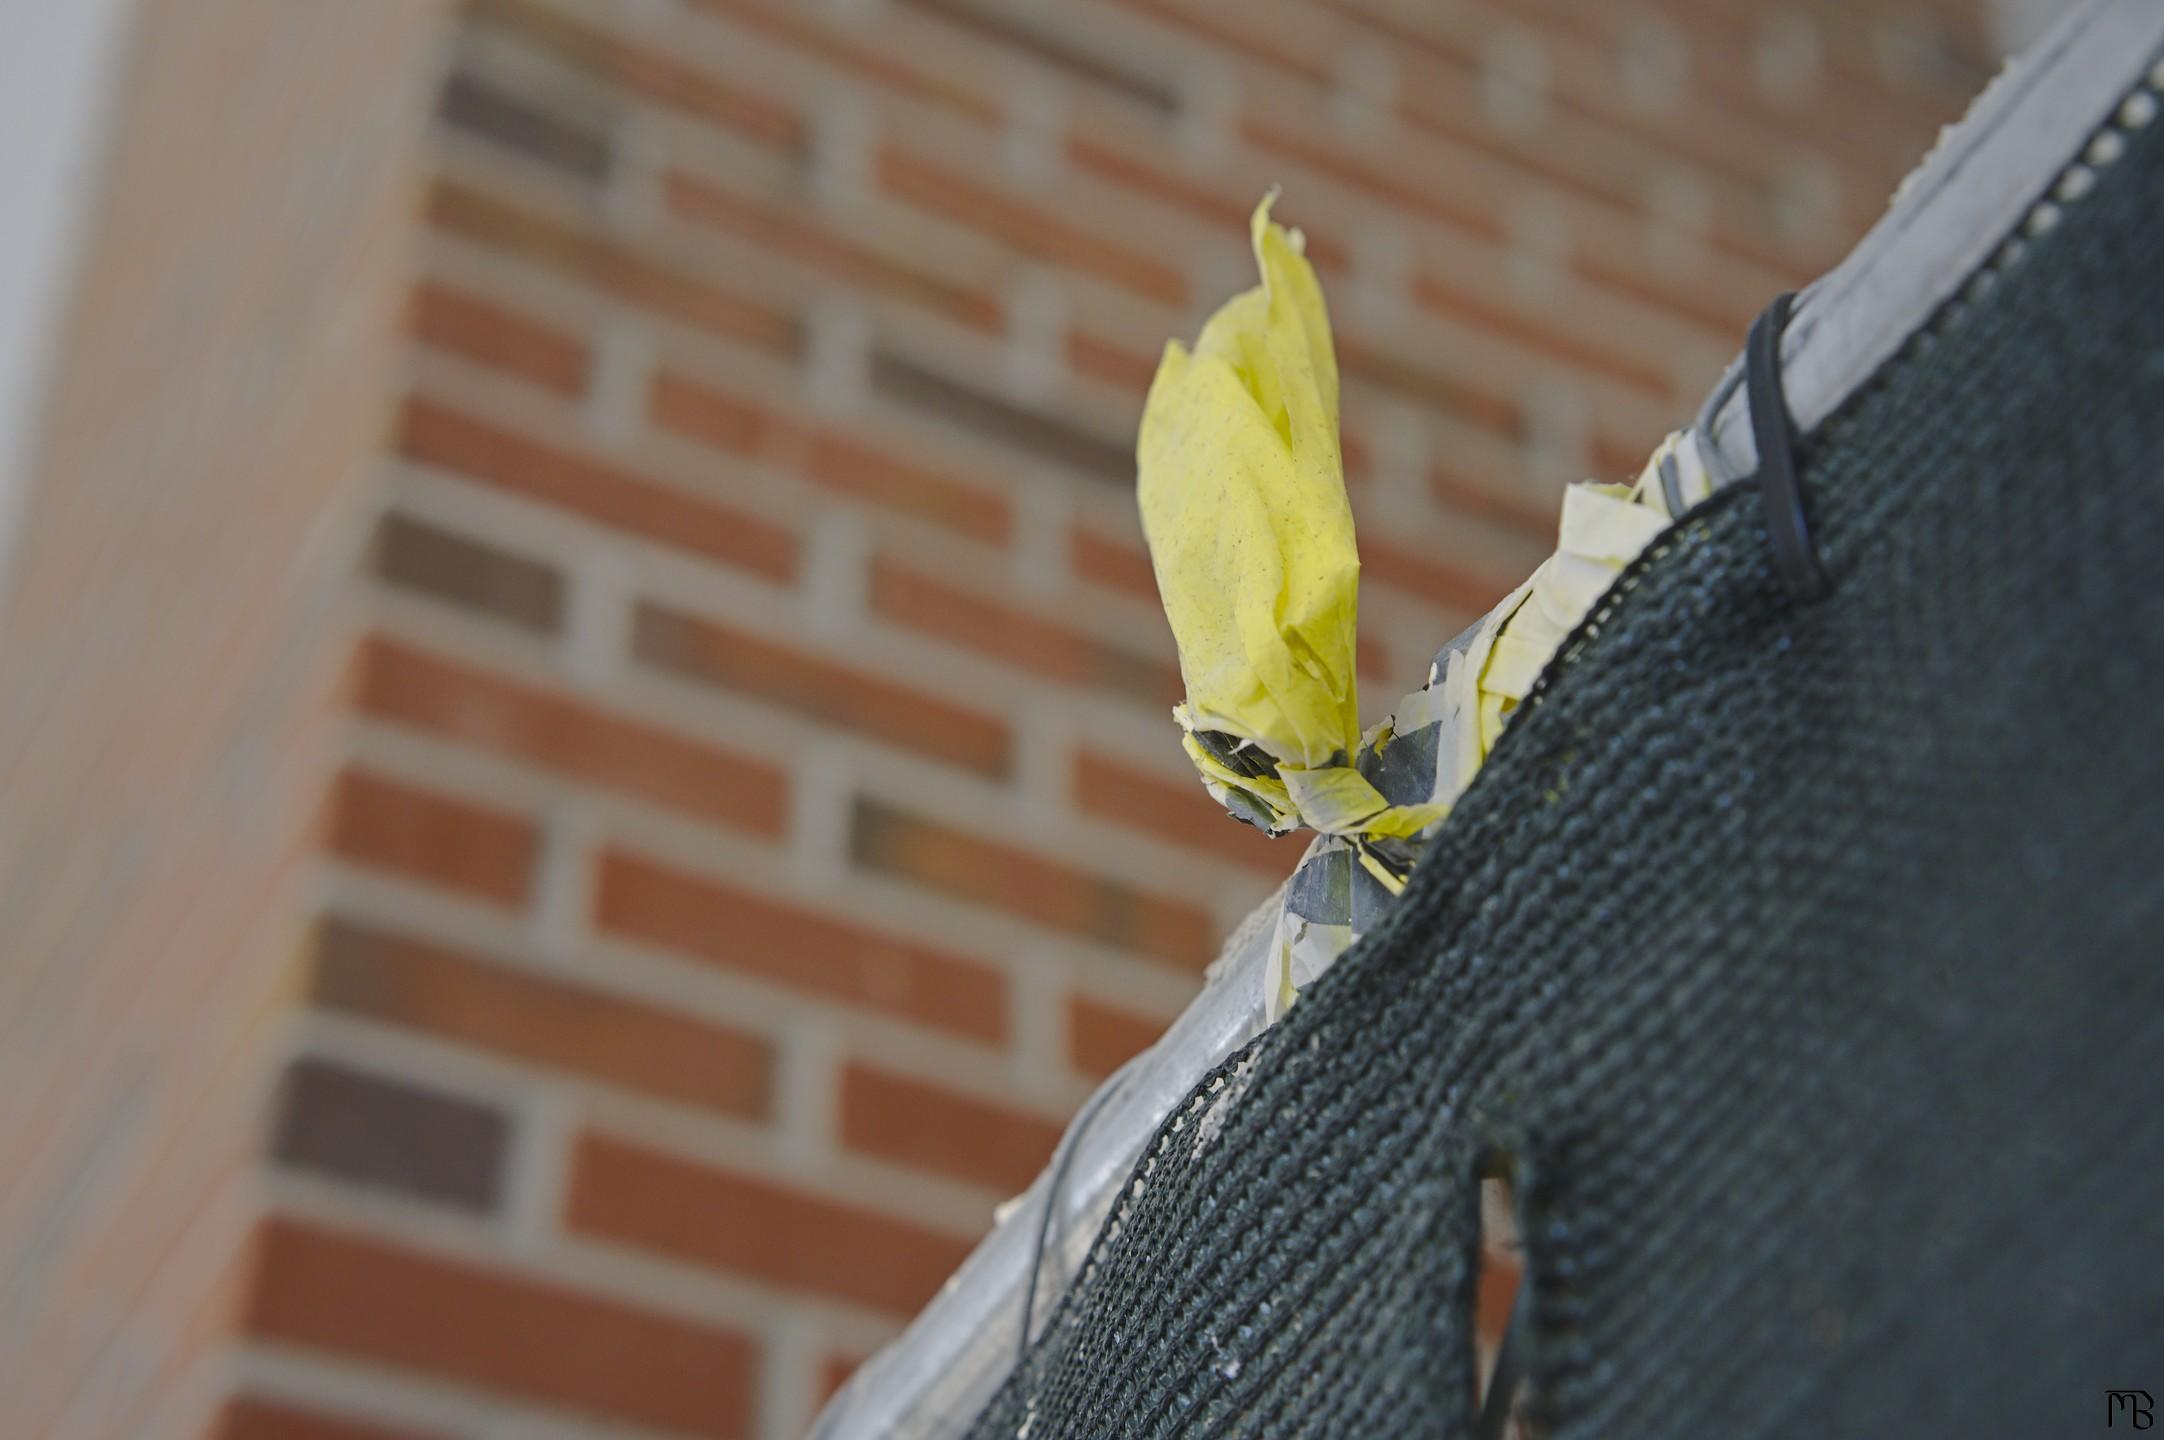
(1787, 527)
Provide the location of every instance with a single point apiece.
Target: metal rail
(1952, 220)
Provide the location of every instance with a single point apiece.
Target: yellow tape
(1243, 501)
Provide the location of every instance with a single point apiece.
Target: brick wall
(172, 646)
(759, 824)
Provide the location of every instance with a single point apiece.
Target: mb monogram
(2134, 1405)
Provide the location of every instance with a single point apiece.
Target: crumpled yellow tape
(1243, 502)
(1242, 488)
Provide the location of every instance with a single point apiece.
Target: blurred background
(584, 768)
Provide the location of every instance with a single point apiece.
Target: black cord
(1779, 487)
(1069, 1143)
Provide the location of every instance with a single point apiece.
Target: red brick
(512, 1336)
(716, 417)
(411, 686)
(1478, 496)
(249, 1417)
(1695, 303)
(1617, 459)
(940, 394)
(1377, 178)
(1453, 72)
(1125, 165)
(459, 570)
(857, 467)
(978, 621)
(1358, 454)
(882, 64)
(376, 1132)
(1237, 33)
(1609, 176)
(1096, 155)
(1036, 47)
(526, 125)
(1105, 359)
(607, 494)
(755, 1229)
(1573, 348)
(499, 337)
(729, 106)
(1178, 810)
(1031, 887)
(726, 104)
(399, 980)
(832, 693)
(798, 946)
(1027, 228)
(929, 1126)
(1386, 564)
(828, 457)
(609, 267)
(1372, 658)
(1473, 402)
(432, 837)
(1857, 116)
(1112, 563)
(807, 241)
(1101, 1038)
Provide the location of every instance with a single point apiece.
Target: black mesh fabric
(1804, 963)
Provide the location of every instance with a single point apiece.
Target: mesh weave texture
(1804, 963)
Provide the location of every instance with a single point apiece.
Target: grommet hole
(1498, 1321)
